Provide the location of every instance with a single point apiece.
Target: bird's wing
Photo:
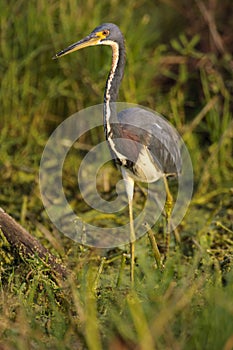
(154, 132)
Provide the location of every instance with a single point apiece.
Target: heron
(156, 153)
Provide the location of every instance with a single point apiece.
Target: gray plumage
(141, 126)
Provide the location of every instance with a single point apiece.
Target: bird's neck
(112, 86)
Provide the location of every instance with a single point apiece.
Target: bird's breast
(145, 169)
(141, 165)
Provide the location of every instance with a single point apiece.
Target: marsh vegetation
(179, 62)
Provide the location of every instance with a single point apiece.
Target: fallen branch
(25, 244)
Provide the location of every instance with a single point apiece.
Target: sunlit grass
(187, 305)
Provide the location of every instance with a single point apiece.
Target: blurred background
(179, 63)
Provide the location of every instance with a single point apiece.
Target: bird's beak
(89, 40)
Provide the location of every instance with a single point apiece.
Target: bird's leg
(168, 211)
(132, 239)
(129, 186)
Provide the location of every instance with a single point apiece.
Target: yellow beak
(89, 40)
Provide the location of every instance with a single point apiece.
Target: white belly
(145, 169)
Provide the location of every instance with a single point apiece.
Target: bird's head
(105, 34)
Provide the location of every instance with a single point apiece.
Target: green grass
(174, 66)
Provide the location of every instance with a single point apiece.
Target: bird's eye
(105, 32)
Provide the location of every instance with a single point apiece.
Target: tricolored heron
(156, 152)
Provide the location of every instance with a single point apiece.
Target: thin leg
(129, 186)
(168, 211)
(132, 239)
